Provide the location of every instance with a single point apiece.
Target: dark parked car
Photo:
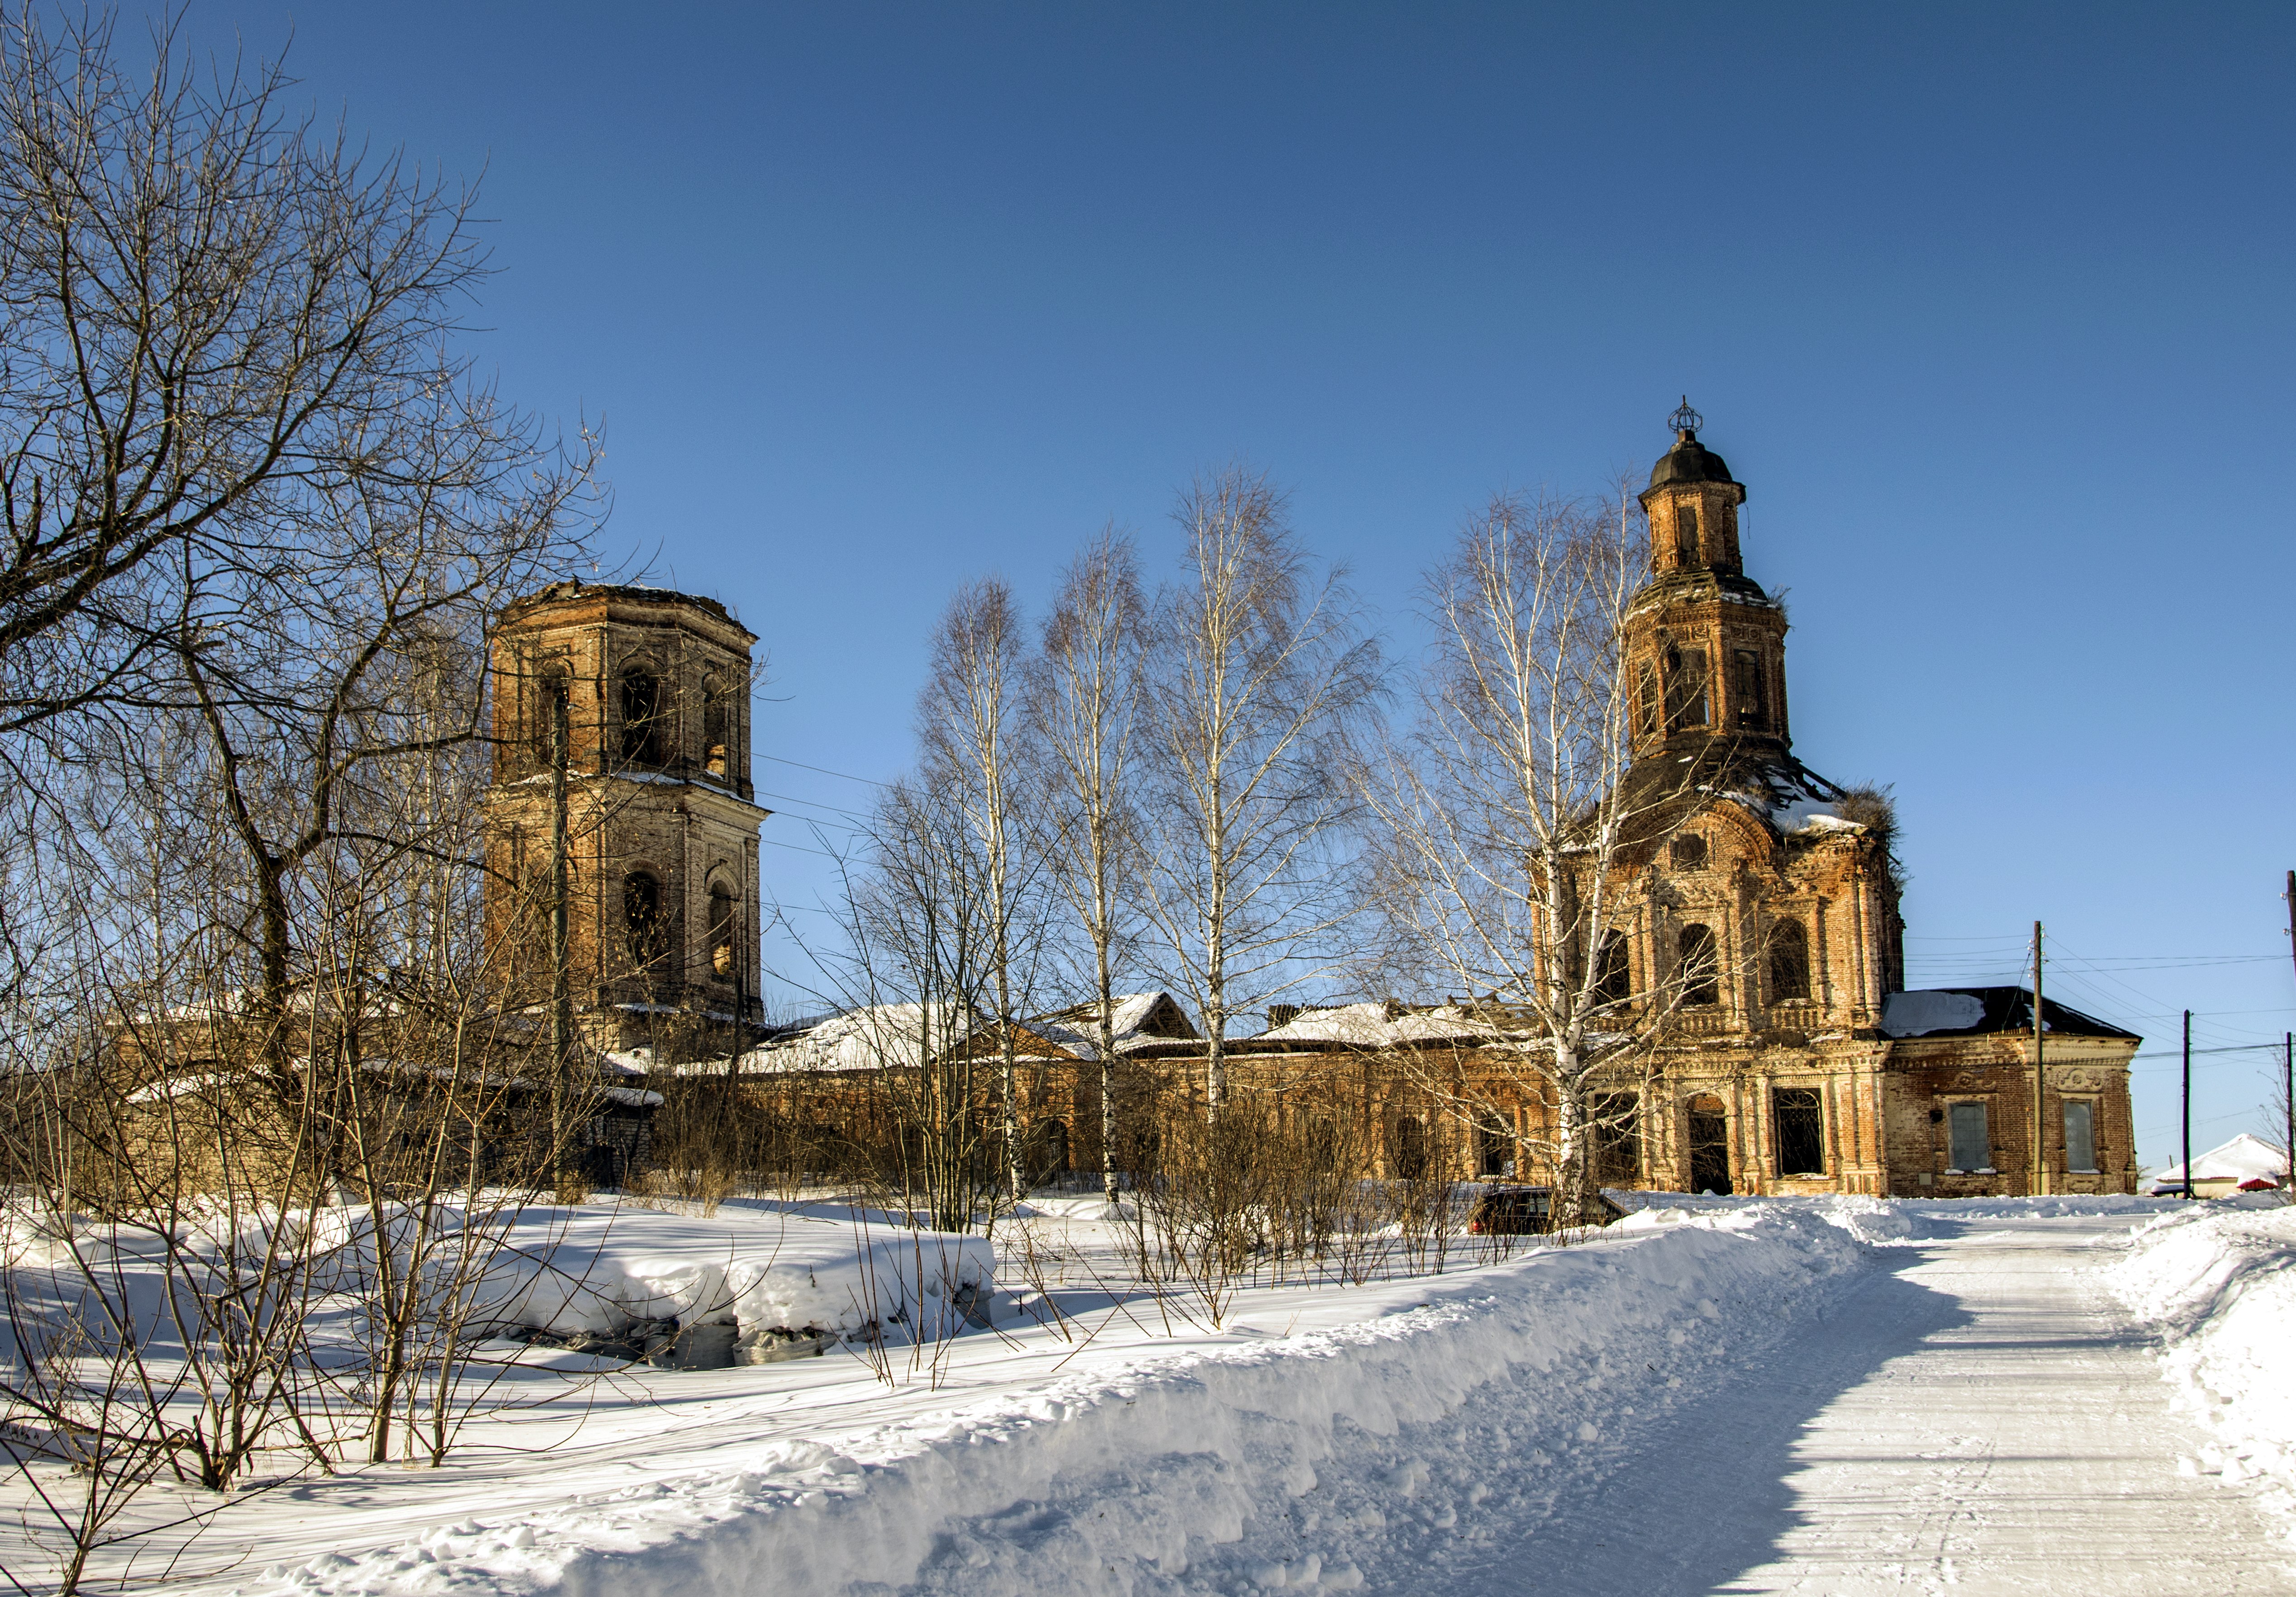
(1525, 1211)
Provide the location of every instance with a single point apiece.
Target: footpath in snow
(1834, 1396)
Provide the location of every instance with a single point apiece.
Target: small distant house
(2246, 1164)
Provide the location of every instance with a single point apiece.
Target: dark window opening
(1799, 1120)
(722, 960)
(1048, 1149)
(641, 920)
(2080, 1136)
(1646, 701)
(1969, 1140)
(551, 690)
(1494, 1149)
(716, 729)
(1686, 688)
(1613, 978)
(1614, 1134)
(1750, 689)
(1322, 1147)
(1685, 533)
(642, 720)
(1710, 1145)
(1789, 963)
(1410, 1148)
(1689, 852)
(1700, 969)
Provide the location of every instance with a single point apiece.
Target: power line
(824, 771)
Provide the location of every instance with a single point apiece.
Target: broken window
(1613, 980)
(1685, 688)
(642, 717)
(1799, 1118)
(1747, 688)
(1685, 533)
(1789, 963)
(2081, 1135)
(1689, 852)
(641, 920)
(1698, 971)
(1613, 1127)
(1968, 1145)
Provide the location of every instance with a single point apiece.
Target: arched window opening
(553, 692)
(644, 722)
(1410, 1148)
(1689, 852)
(1322, 1147)
(1700, 969)
(1685, 533)
(1749, 688)
(1048, 1151)
(1686, 688)
(716, 729)
(1798, 1114)
(724, 960)
(1710, 1145)
(1613, 978)
(644, 925)
(1789, 963)
(1646, 702)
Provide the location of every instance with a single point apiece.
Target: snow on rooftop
(1368, 1025)
(1919, 1014)
(2243, 1159)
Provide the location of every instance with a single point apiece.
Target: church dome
(1689, 461)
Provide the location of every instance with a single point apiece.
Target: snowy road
(1974, 1416)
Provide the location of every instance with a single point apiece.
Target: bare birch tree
(1503, 820)
(1258, 676)
(1084, 702)
(974, 741)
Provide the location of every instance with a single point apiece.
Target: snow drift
(2216, 1282)
(1309, 1436)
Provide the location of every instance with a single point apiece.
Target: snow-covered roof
(1137, 1019)
(1372, 1026)
(1966, 1011)
(878, 1035)
(2240, 1159)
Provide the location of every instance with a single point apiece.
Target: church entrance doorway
(1710, 1145)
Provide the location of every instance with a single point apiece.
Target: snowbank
(2217, 1283)
(600, 1267)
(1316, 1432)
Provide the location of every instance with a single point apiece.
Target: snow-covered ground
(2216, 1284)
(1836, 1395)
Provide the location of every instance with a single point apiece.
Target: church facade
(1761, 902)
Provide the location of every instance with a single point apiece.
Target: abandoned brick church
(1797, 1064)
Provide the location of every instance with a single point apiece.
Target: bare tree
(1504, 821)
(1085, 701)
(975, 750)
(1257, 676)
(213, 314)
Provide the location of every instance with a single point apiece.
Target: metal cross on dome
(1686, 420)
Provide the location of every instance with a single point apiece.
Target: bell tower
(1705, 645)
(660, 826)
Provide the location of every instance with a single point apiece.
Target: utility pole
(2040, 1079)
(2288, 1102)
(2188, 1103)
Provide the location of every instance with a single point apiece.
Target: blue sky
(1989, 306)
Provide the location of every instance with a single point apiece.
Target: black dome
(1689, 461)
